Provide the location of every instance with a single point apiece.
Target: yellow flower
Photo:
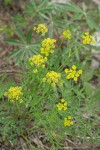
(67, 34)
(68, 77)
(80, 72)
(72, 73)
(75, 78)
(65, 104)
(41, 29)
(65, 108)
(47, 46)
(62, 100)
(35, 71)
(77, 74)
(14, 92)
(68, 122)
(62, 105)
(20, 101)
(38, 61)
(53, 78)
(66, 70)
(87, 38)
(73, 67)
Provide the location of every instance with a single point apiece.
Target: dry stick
(70, 142)
(9, 71)
(72, 148)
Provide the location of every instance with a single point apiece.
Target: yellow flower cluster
(62, 105)
(47, 45)
(14, 94)
(68, 122)
(72, 73)
(67, 34)
(41, 29)
(38, 61)
(53, 78)
(87, 39)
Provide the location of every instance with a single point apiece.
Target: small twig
(67, 148)
(72, 148)
(70, 142)
(10, 71)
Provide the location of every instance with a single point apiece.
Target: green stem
(68, 58)
(74, 52)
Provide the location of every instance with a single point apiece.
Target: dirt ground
(6, 14)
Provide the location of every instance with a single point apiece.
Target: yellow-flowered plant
(67, 34)
(73, 73)
(68, 121)
(47, 46)
(37, 61)
(14, 94)
(87, 38)
(42, 106)
(53, 78)
(62, 105)
(42, 29)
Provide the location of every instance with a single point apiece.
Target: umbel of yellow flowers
(67, 34)
(38, 60)
(14, 94)
(73, 73)
(53, 78)
(47, 46)
(87, 38)
(62, 105)
(41, 28)
(67, 121)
